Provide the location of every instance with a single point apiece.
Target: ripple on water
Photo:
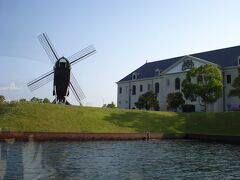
(168, 159)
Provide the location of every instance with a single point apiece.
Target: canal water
(168, 159)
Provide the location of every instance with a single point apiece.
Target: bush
(46, 100)
(148, 101)
(175, 100)
(2, 98)
(22, 100)
(111, 105)
(39, 100)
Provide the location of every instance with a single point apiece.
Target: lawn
(37, 117)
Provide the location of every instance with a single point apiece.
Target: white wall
(230, 102)
(178, 67)
(165, 89)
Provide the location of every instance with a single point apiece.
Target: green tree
(2, 98)
(148, 101)
(22, 100)
(46, 100)
(236, 86)
(175, 100)
(204, 83)
(111, 105)
(36, 100)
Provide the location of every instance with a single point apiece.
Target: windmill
(63, 79)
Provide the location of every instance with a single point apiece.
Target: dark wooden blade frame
(48, 47)
(82, 54)
(41, 80)
(76, 89)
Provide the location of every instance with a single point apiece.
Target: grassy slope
(60, 118)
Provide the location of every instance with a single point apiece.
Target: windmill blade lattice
(48, 47)
(81, 55)
(76, 89)
(40, 81)
(61, 72)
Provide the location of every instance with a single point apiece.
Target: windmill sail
(81, 55)
(76, 90)
(40, 81)
(61, 72)
(48, 47)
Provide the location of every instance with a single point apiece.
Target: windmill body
(63, 79)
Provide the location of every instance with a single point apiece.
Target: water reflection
(11, 161)
(169, 159)
(21, 160)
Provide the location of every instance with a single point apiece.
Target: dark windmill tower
(61, 74)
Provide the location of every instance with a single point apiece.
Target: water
(168, 159)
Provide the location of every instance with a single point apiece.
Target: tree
(46, 100)
(175, 100)
(148, 101)
(34, 99)
(236, 86)
(204, 83)
(37, 100)
(22, 100)
(2, 98)
(111, 105)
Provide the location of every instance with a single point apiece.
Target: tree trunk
(205, 107)
(202, 105)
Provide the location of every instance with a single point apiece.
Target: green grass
(60, 118)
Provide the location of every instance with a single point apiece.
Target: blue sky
(125, 33)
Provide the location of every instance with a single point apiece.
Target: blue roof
(223, 57)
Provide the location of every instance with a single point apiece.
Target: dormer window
(134, 76)
(157, 72)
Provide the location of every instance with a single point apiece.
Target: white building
(165, 76)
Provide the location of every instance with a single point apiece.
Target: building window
(134, 76)
(156, 87)
(238, 60)
(119, 102)
(149, 87)
(141, 88)
(177, 84)
(167, 82)
(120, 90)
(157, 72)
(229, 79)
(133, 90)
(126, 88)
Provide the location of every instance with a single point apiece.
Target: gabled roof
(223, 57)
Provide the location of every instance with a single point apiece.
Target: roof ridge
(216, 50)
(166, 59)
(224, 57)
(194, 54)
